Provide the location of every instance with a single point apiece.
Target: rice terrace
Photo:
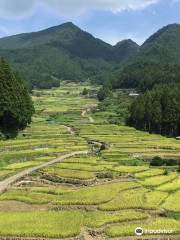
(90, 120)
(78, 179)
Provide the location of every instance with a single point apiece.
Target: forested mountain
(125, 49)
(158, 61)
(62, 52)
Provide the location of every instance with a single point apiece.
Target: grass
(41, 224)
(95, 219)
(154, 224)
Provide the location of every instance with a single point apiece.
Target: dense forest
(157, 62)
(16, 107)
(144, 75)
(157, 111)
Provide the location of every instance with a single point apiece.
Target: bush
(171, 162)
(165, 172)
(157, 161)
(85, 91)
(103, 147)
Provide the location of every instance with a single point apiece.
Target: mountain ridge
(54, 28)
(65, 52)
(156, 62)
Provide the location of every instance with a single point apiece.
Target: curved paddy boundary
(5, 184)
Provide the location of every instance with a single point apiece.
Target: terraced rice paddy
(104, 194)
(154, 224)
(41, 224)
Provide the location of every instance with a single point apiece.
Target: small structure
(178, 138)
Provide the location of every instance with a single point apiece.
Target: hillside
(157, 61)
(62, 52)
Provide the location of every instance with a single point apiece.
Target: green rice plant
(90, 160)
(134, 198)
(130, 169)
(68, 173)
(53, 190)
(153, 199)
(59, 224)
(158, 180)
(20, 165)
(94, 195)
(149, 173)
(154, 224)
(45, 158)
(95, 219)
(172, 186)
(83, 167)
(28, 196)
(172, 203)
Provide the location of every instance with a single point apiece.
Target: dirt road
(5, 184)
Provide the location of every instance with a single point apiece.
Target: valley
(74, 175)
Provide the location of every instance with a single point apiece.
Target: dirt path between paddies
(85, 114)
(70, 130)
(5, 184)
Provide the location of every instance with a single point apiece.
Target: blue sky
(110, 20)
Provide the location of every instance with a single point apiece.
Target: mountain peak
(68, 24)
(166, 33)
(126, 42)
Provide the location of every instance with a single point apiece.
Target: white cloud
(19, 8)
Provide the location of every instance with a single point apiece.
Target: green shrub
(157, 161)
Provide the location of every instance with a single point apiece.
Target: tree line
(157, 111)
(145, 74)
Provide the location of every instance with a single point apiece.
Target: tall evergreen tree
(157, 110)
(16, 106)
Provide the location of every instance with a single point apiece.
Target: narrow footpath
(5, 184)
